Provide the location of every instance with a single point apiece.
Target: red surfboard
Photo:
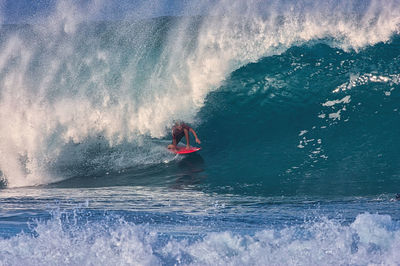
(183, 150)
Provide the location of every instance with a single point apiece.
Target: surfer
(179, 130)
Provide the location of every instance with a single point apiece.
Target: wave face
(313, 120)
(288, 92)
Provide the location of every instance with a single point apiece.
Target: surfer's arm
(195, 135)
(173, 141)
(173, 145)
(187, 138)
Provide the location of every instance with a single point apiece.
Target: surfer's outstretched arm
(173, 145)
(187, 138)
(195, 135)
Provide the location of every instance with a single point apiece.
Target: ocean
(296, 103)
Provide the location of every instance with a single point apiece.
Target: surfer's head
(177, 123)
(398, 196)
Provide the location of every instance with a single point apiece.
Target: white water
(370, 239)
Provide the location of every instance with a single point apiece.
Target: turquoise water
(296, 104)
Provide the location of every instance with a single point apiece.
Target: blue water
(296, 104)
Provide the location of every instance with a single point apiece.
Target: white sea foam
(359, 80)
(370, 239)
(345, 99)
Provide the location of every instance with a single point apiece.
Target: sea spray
(75, 238)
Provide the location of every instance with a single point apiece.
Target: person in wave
(179, 130)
